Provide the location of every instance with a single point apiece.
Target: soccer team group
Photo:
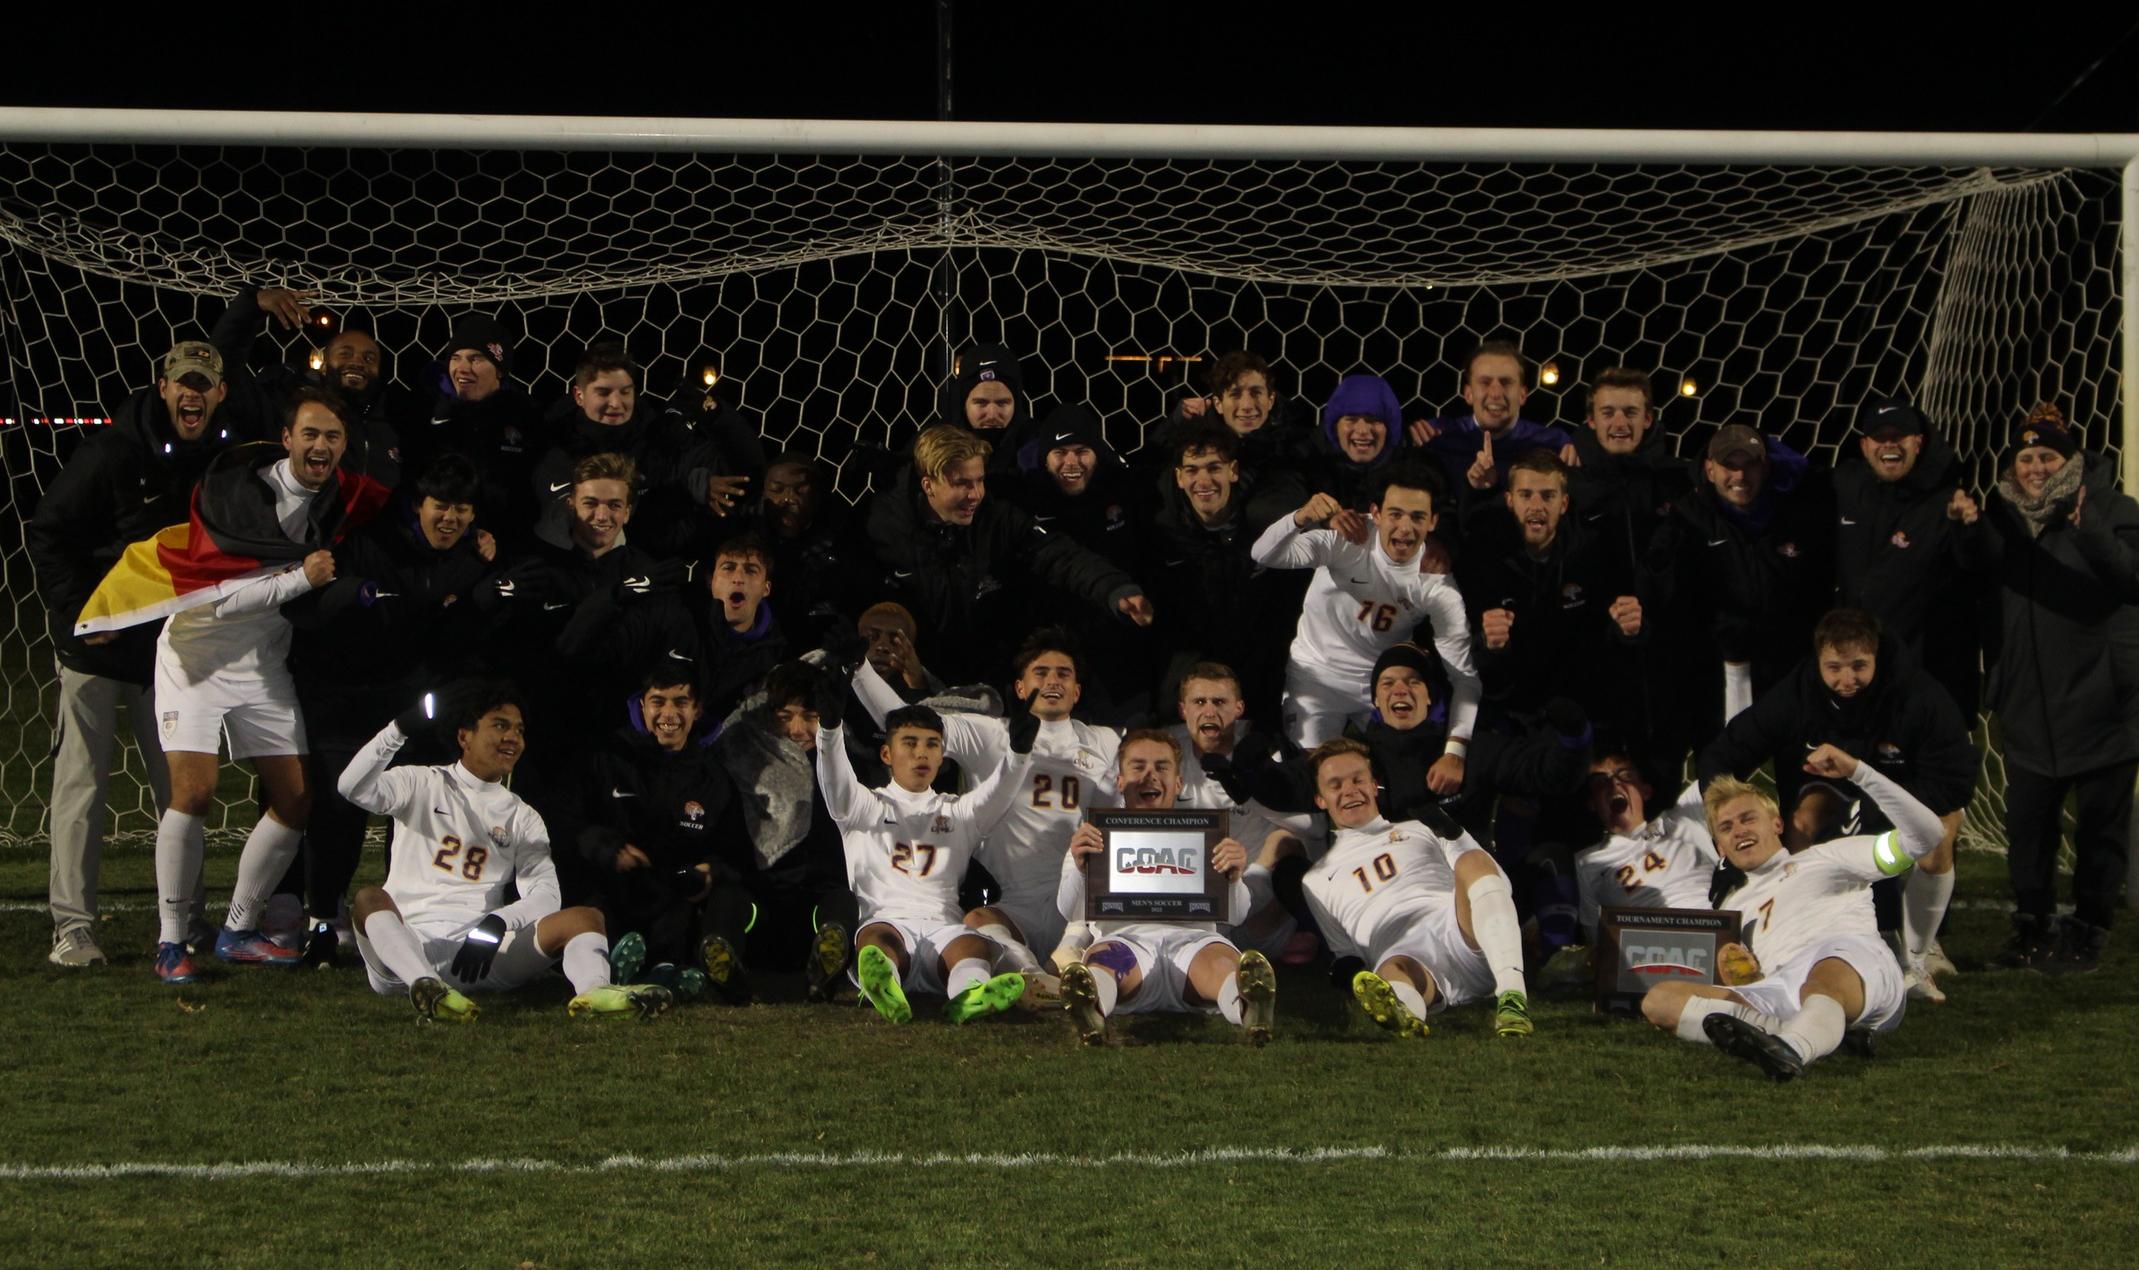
(648, 703)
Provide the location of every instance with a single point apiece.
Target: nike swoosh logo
(1361, 581)
(438, 811)
(1847, 521)
(1041, 520)
(678, 656)
(1064, 436)
(551, 608)
(901, 575)
(614, 792)
(1717, 542)
(1175, 564)
(1887, 410)
(560, 488)
(385, 595)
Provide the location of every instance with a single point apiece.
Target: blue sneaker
(250, 947)
(173, 965)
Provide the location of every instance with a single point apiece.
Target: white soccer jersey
(459, 842)
(1666, 863)
(1360, 604)
(1375, 880)
(907, 852)
(1072, 768)
(1792, 903)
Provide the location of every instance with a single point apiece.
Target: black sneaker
(828, 961)
(1858, 1041)
(2031, 944)
(1740, 1039)
(2078, 950)
(322, 947)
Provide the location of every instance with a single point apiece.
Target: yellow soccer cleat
(1378, 999)
(437, 1003)
(1081, 998)
(642, 999)
(1258, 997)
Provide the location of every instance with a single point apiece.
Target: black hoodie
(121, 486)
(1903, 723)
(377, 418)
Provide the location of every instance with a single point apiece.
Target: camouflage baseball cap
(193, 357)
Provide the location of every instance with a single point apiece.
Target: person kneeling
(1807, 920)
(437, 928)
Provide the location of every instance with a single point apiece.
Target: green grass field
(1998, 1128)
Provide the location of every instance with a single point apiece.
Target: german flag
(230, 537)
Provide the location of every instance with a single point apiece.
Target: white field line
(717, 1163)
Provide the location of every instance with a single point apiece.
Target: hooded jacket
(1903, 723)
(2064, 670)
(120, 486)
(1333, 471)
(1622, 498)
(968, 586)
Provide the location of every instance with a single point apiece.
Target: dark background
(2022, 68)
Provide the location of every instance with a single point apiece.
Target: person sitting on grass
(1148, 967)
(1432, 917)
(440, 927)
(907, 848)
(1820, 967)
(1641, 862)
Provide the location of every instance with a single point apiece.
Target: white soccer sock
(1816, 1030)
(1229, 999)
(586, 960)
(1409, 997)
(1737, 689)
(1015, 955)
(1076, 937)
(179, 847)
(1108, 989)
(964, 975)
(269, 848)
(1698, 1008)
(396, 945)
(1924, 897)
(1499, 934)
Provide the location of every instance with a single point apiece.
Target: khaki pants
(84, 742)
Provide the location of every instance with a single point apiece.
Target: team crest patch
(170, 722)
(510, 439)
(942, 825)
(1790, 870)
(497, 835)
(987, 375)
(1900, 538)
(1571, 596)
(1787, 551)
(1115, 517)
(693, 811)
(1888, 752)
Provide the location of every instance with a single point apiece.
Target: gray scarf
(2053, 504)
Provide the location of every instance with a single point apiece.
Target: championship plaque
(1156, 866)
(1638, 948)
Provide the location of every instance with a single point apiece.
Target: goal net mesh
(832, 290)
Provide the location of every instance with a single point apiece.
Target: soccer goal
(830, 270)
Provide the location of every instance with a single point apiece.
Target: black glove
(518, 585)
(1024, 730)
(472, 963)
(830, 698)
(844, 648)
(664, 576)
(416, 720)
(1220, 768)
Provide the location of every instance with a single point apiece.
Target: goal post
(831, 266)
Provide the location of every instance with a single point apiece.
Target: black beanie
(1405, 655)
(485, 335)
(2044, 426)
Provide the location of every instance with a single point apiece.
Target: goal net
(833, 288)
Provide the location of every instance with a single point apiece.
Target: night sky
(1714, 66)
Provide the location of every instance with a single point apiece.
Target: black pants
(334, 836)
(2102, 811)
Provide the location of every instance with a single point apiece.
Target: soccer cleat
(724, 970)
(1081, 998)
(690, 983)
(1511, 1015)
(1258, 997)
(1378, 999)
(437, 1003)
(250, 947)
(643, 999)
(879, 976)
(322, 947)
(1857, 1041)
(1921, 986)
(626, 956)
(173, 964)
(828, 959)
(74, 947)
(1043, 991)
(1740, 1039)
(1937, 962)
(990, 996)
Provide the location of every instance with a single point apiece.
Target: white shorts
(1316, 711)
(925, 942)
(1429, 934)
(1163, 954)
(518, 963)
(257, 716)
(1885, 995)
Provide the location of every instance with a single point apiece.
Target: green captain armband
(1888, 855)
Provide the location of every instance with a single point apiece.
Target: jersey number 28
(469, 866)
